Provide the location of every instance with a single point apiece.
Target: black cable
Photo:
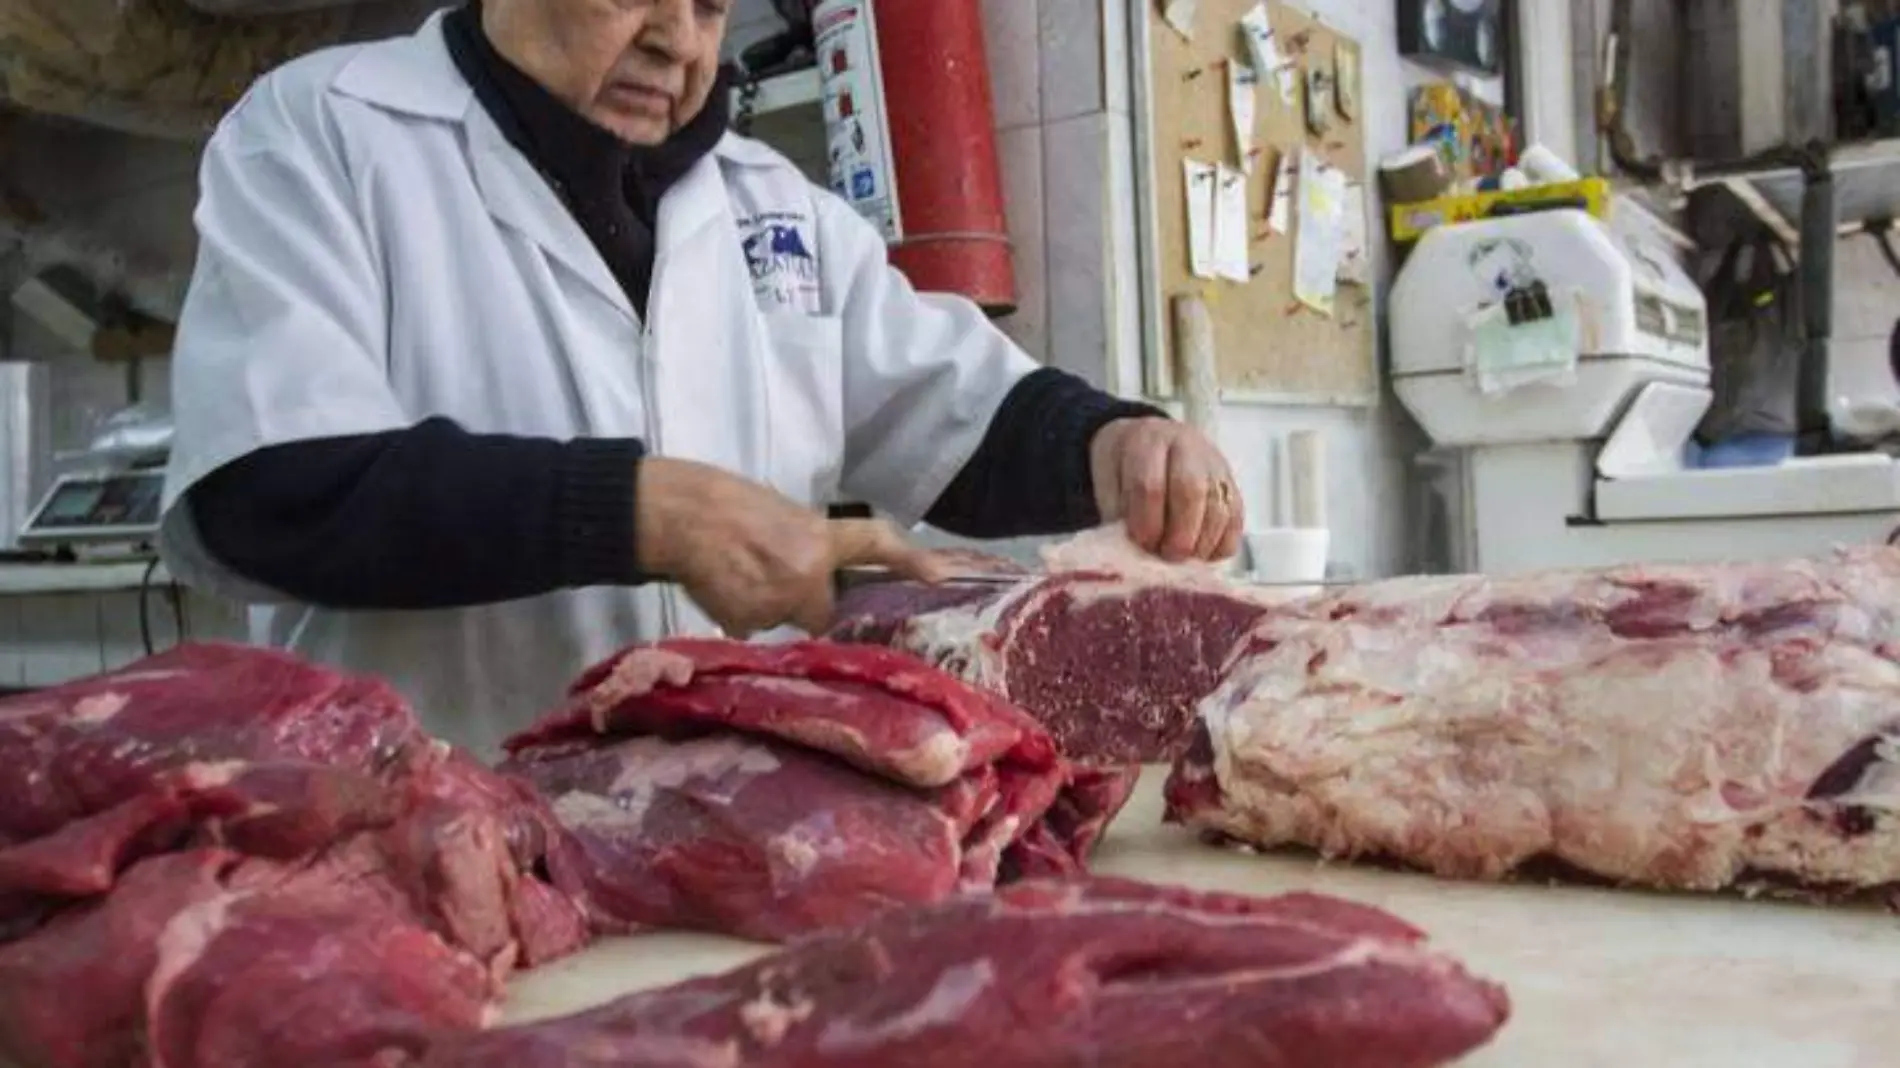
(1882, 231)
(145, 607)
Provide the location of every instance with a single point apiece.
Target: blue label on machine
(863, 183)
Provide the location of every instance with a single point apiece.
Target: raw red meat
(326, 965)
(1050, 975)
(1690, 727)
(209, 960)
(274, 757)
(770, 790)
(280, 756)
(1111, 664)
(216, 847)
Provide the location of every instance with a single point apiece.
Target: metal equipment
(1561, 363)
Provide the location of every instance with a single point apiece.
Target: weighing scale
(89, 511)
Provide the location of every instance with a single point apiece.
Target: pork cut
(1692, 727)
(1109, 649)
(768, 790)
(1050, 974)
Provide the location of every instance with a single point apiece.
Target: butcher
(501, 351)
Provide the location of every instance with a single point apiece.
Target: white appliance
(1580, 461)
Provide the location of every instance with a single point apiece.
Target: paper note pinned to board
(1241, 85)
(1355, 260)
(1230, 224)
(1264, 47)
(1180, 15)
(1316, 246)
(1199, 180)
(1280, 197)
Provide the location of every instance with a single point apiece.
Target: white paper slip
(1263, 45)
(1199, 180)
(1316, 245)
(1180, 15)
(1242, 83)
(1355, 259)
(1280, 197)
(1230, 225)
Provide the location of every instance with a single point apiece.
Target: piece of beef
(326, 965)
(742, 835)
(471, 850)
(278, 756)
(1112, 664)
(208, 959)
(1690, 727)
(767, 790)
(72, 992)
(1050, 974)
(264, 754)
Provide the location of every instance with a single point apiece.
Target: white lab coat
(373, 252)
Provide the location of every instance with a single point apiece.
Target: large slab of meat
(222, 852)
(1108, 649)
(1051, 975)
(1692, 727)
(769, 790)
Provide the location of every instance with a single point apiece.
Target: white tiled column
(1015, 59)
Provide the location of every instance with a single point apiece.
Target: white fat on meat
(185, 939)
(956, 990)
(769, 1017)
(715, 767)
(938, 761)
(802, 845)
(1109, 548)
(1469, 749)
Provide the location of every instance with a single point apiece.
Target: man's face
(639, 68)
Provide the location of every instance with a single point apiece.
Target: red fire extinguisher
(914, 149)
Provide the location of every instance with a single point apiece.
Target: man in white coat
(502, 352)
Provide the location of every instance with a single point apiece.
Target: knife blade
(853, 577)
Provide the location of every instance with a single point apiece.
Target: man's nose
(672, 29)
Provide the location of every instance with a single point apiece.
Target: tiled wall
(1063, 139)
(49, 639)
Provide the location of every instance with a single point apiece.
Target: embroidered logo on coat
(779, 257)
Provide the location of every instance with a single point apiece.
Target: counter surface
(1598, 978)
(33, 580)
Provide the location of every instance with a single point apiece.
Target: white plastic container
(1288, 554)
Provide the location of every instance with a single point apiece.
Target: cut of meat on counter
(1691, 727)
(209, 850)
(770, 790)
(1050, 975)
(1109, 648)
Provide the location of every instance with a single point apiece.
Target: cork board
(1268, 347)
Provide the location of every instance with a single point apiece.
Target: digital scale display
(97, 507)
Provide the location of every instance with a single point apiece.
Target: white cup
(1288, 555)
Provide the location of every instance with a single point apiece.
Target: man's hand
(1170, 486)
(751, 558)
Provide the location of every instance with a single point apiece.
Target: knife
(854, 577)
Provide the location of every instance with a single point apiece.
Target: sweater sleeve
(1031, 473)
(430, 516)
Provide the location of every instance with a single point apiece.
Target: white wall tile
(121, 639)
(1015, 56)
(1071, 35)
(1019, 152)
(1075, 181)
(59, 639)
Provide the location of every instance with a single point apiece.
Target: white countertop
(28, 580)
(1598, 978)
